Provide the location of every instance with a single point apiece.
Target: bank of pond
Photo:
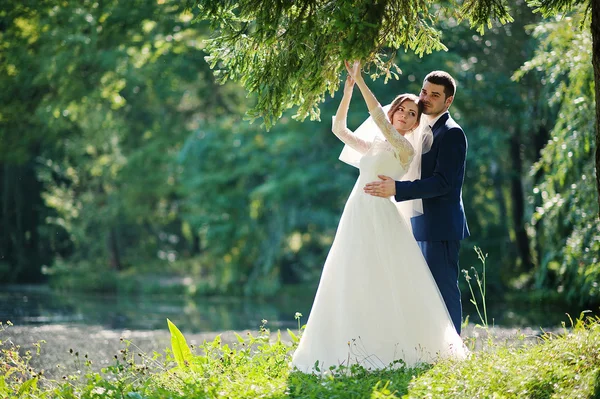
(563, 363)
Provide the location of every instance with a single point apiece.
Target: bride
(377, 304)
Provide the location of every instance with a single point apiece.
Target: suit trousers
(442, 259)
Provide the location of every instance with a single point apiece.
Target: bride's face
(405, 118)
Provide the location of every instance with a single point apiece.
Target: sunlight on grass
(258, 365)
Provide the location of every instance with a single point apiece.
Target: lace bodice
(398, 146)
(380, 159)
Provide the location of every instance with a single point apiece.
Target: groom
(443, 224)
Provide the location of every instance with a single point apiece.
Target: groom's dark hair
(444, 79)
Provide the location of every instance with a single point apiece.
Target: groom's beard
(430, 111)
(427, 108)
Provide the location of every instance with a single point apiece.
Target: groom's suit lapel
(439, 125)
(428, 159)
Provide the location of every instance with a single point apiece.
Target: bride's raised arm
(339, 121)
(403, 146)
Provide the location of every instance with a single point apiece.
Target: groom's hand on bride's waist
(384, 188)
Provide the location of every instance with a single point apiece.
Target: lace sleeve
(402, 147)
(348, 137)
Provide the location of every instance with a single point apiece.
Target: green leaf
(240, 339)
(28, 385)
(3, 388)
(181, 351)
(216, 343)
(293, 336)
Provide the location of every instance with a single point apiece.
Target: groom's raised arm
(447, 171)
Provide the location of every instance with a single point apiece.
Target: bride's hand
(349, 85)
(353, 69)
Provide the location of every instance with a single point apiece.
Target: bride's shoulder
(381, 144)
(382, 141)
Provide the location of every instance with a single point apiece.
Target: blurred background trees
(122, 160)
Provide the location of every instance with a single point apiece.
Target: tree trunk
(595, 5)
(113, 250)
(4, 217)
(540, 139)
(498, 186)
(36, 250)
(196, 244)
(518, 202)
(18, 232)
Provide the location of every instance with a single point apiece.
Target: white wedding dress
(377, 301)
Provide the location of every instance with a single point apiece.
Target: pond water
(27, 305)
(38, 305)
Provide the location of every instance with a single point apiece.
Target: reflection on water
(39, 305)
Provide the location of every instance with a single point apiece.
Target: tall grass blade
(28, 386)
(181, 350)
(293, 336)
(240, 339)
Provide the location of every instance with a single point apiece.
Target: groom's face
(434, 100)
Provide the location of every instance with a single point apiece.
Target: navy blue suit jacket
(440, 186)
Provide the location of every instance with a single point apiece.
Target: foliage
(113, 123)
(291, 53)
(110, 112)
(137, 133)
(134, 168)
(553, 7)
(560, 366)
(567, 229)
(23, 244)
(261, 202)
(557, 366)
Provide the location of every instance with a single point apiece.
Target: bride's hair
(402, 98)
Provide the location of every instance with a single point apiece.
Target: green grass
(565, 365)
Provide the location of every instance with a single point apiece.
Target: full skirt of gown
(377, 301)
